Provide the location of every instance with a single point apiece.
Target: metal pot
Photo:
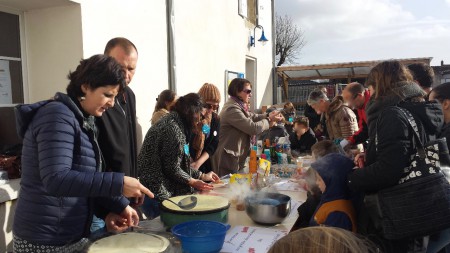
(268, 208)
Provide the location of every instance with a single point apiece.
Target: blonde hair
(209, 92)
(322, 240)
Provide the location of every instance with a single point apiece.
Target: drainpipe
(171, 59)
(274, 67)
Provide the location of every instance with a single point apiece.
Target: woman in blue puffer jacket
(62, 184)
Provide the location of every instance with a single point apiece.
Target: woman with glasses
(205, 139)
(237, 127)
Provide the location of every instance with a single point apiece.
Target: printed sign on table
(244, 239)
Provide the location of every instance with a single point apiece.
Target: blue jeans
(150, 208)
(97, 224)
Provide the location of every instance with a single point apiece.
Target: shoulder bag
(419, 204)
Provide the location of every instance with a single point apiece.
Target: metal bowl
(268, 208)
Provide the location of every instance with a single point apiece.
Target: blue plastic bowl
(201, 236)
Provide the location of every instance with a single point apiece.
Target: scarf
(244, 107)
(241, 104)
(199, 139)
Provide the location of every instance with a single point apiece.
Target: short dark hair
(166, 96)
(356, 88)
(237, 85)
(323, 148)
(188, 108)
(124, 43)
(97, 71)
(442, 91)
(302, 121)
(422, 73)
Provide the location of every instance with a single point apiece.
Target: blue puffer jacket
(61, 184)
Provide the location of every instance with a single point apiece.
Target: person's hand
(275, 116)
(131, 216)
(195, 165)
(200, 185)
(115, 223)
(138, 201)
(133, 188)
(210, 176)
(359, 156)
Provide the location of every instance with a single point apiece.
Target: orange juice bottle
(252, 165)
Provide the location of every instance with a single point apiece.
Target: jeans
(97, 224)
(150, 208)
(438, 241)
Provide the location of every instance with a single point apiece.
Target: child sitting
(307, 209)
(323, 148)
(335, 207)
(274, 132)
(303, 136)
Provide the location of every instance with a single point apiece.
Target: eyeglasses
(247, 91)
(210, 106)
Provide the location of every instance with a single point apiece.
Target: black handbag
(420, 204)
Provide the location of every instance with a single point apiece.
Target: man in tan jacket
(340, 119)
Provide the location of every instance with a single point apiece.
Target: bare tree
(290, 40)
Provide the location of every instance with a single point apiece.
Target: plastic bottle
(267, 144)
(259, 147)
(252, 165)
(287, 150)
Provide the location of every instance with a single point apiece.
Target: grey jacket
(236, 130)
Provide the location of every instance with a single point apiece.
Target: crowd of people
(81, 172)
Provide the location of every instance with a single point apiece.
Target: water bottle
(287, 151)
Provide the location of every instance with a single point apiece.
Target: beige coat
(157, 115)
(236, 129)
(340, 119)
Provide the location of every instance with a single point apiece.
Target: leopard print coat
(164, 161)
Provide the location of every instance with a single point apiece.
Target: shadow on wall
(6, 219)
(267, 98)
(139, 136)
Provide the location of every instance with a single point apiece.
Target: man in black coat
(117, 126)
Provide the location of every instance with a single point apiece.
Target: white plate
(130, 242)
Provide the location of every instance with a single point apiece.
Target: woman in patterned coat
(164, 160)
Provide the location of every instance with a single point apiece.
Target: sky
(363, 30)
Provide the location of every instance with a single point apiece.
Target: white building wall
(53, 47)
(143, 23)
(210, 37)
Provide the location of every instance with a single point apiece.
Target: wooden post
(285, 88)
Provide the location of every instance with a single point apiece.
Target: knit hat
(209, 92)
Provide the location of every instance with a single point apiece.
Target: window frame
(23, 53)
